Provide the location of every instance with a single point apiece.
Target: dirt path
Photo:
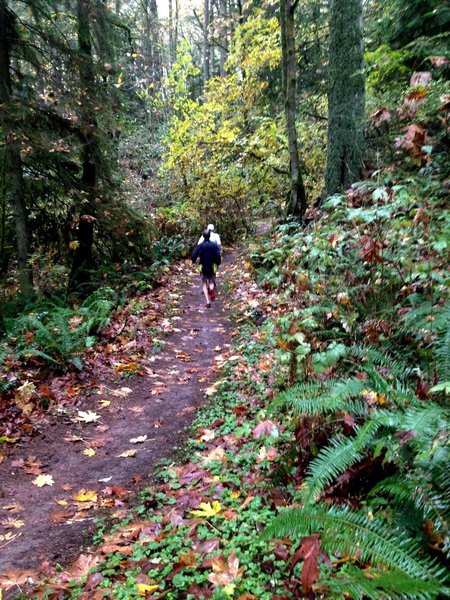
(47, 523)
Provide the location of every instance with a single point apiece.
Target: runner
(209, 254)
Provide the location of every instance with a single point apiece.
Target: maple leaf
(87, 416)
(86, 496)
(265, 428)
(83, 564)
(225, 573)
(16, 577)
(207, 435)
(89, 452)
(207, 510)
(309, 551)
(216, 454)
(42, 480)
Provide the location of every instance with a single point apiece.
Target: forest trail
(143, 418)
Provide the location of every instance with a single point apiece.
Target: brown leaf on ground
(265, 428)
(81, 567)
(225, 572)
(309, 551)
(16, 578)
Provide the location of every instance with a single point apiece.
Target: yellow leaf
(143, 588)
(74, 245)
(89, 452)
(127, 454)
(42, 480)
(86, 496)
(207, 510)
(61, 502)
(104, 403)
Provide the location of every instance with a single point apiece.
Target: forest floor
(128, 410)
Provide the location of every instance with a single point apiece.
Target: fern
(322, 399)
(426, 493)
(334, 460)
(442, 346)
(375, 584)
(392, 362)
(355, 534)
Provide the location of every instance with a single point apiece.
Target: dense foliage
(319, 468)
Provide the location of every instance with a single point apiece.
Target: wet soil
(160, 403)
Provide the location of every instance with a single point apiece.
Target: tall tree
(82, 262)
(346, 95)
(11, 173)
(206, 48)
(297, 195)
(223, 35)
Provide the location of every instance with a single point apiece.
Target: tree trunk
(223, 37)
(297, 197)
(82, 263)
(12, 175)
(206, 55)
(345, 96)
(154, 34)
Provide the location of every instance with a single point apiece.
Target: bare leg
(206, 291)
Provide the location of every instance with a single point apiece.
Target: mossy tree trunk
(11, 172)
(346, 95)
(80, 275)
(297, 197)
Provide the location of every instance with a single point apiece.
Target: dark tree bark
(223, 37)
(154, 36)
(12, 174)
(82, 263)
(297, 197)
(345, 96)
(206, 49)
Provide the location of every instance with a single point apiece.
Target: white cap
(210, 227)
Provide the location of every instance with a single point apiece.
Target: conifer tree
(345, 95)
(11, 174)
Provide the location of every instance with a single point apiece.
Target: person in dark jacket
(209, 254)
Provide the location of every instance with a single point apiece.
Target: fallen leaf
(207, 509)
(104, 403)
(216, 454)
(144, 588)
(127, 454)
(87, 416)
(14, 507)
(89, 452)
(138, 440)
(225, 572)
(42, 480)
(12, 523)
(16, 578)
(85, 496)
(7, 538)
(61, 502)
(265, 428)
(309, 551)
(121, 392)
